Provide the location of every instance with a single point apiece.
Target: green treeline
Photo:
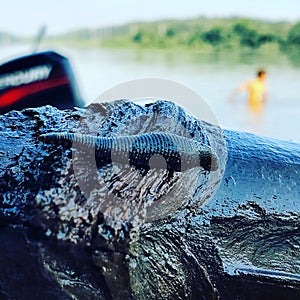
(201, 33)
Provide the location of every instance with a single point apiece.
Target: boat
(37, 79)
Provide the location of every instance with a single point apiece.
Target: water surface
(213, 76)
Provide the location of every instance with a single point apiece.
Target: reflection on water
(212, 76)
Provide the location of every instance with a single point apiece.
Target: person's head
(261, 74)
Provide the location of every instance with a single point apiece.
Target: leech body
(150, 150)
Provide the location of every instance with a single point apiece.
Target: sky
(24, 17)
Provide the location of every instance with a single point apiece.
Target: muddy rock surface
(73, 226)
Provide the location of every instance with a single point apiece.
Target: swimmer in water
(257, 92)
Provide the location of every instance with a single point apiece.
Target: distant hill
(201, 33)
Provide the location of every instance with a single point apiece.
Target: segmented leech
(150, 150)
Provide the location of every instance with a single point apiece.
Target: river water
(212, 76)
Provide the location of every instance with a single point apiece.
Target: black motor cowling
(38, 79)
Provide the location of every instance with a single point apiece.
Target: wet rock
(74, 228)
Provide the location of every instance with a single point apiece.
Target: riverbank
(200, 33)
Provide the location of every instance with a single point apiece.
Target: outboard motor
(36, 80)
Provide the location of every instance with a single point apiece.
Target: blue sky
(25, 17)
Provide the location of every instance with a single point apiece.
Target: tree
(170, 32)
(293, 38)
(267, 38)
(213, 36)
(137, 38)
(250, 39)
(239, 29)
